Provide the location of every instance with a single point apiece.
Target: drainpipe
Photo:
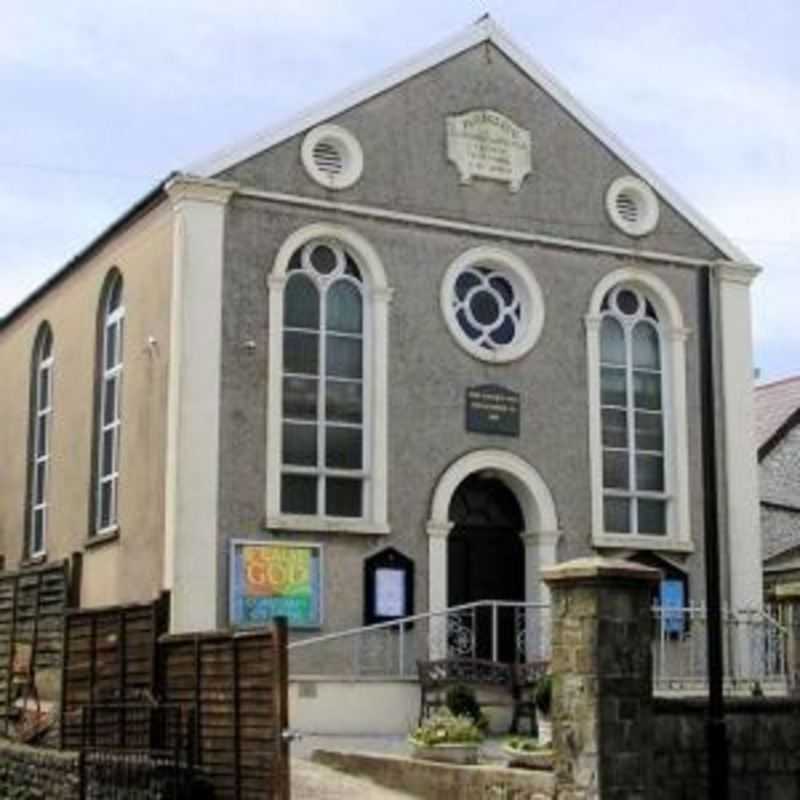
(716, 734)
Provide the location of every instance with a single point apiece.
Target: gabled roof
(484, 30)
(777, 407)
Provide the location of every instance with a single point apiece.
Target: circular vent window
(632, 206)
(332, 156)
(492, 304)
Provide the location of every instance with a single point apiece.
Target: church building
(397, 354)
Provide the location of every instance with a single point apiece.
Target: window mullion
(631, 413)
(321, 396)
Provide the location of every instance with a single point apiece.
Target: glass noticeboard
(388, 586)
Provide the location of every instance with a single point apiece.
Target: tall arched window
(41, 424)
(323, 460)
(637, 399)
(632, 415)
(326, 442)
(109, 420)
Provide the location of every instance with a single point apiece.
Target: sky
(103, 99)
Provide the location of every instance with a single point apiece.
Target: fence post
(602, 678)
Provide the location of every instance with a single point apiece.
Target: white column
(540, 552)
(192, 475)
(380, 409)
(737, 434)
(437, 588)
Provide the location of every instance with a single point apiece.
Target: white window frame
(524, 283)
(41, 417)
(673, 336)
(376, 296)
(113, 320)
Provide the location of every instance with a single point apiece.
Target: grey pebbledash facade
(406, 220)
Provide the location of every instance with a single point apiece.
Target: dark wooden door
(486, 557)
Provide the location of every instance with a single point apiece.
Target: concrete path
(315, 782)
(390, 745)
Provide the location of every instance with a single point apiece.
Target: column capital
(543, 538)
(438, 530)
(736, 272)
(183, 188)
(597, 568)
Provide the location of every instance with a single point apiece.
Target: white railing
(754, 651)
(490, 629)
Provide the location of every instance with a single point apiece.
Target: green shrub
(445, 727)
(544, 694)
(524, 744)
(461, 701)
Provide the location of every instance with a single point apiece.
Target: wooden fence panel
(110, 655)
(237, 684)
(32, 605)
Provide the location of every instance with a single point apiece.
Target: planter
(529, 759)
(545, 727)
(458, 753)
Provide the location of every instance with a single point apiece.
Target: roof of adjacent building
(777, 407)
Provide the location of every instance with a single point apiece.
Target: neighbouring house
(398, 353)
(778, 440)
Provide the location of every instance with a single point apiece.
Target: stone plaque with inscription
(492, 409)
(486, 144)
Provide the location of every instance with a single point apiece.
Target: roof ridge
(778, 382)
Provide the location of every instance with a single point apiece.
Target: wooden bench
(516, 684)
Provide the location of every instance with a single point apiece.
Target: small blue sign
(672, 605)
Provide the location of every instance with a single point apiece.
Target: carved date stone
(487, 144)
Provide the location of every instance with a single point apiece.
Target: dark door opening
(486, 558)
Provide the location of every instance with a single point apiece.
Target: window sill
(34, 561)
(638, 542)
(99, 539)
(293, 522)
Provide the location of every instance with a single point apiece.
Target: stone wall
(764, 744)
(27, 772)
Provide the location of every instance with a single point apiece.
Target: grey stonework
(428, 373)
(27, 772)
(779, 477)
(764, 749)
(402, 133)
(602, 679)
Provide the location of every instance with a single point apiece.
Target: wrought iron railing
(754, 651)
(137, 751)
(490, 629)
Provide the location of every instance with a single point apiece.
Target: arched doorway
(486, 558)
(539, 533)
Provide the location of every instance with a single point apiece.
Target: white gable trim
(485, 30)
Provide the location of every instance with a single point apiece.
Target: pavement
(315, 782)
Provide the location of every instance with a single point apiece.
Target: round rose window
(492, 304)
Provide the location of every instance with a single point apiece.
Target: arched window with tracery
(631, 402)
(323, 464)
(326, 442)
(637, 403)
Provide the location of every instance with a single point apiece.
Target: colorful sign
(271, 580)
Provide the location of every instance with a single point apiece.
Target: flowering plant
(445, 727)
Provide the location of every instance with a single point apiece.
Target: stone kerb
(602, 678)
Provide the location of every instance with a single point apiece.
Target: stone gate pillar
(602, 679)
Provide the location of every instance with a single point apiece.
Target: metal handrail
(403, 621)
